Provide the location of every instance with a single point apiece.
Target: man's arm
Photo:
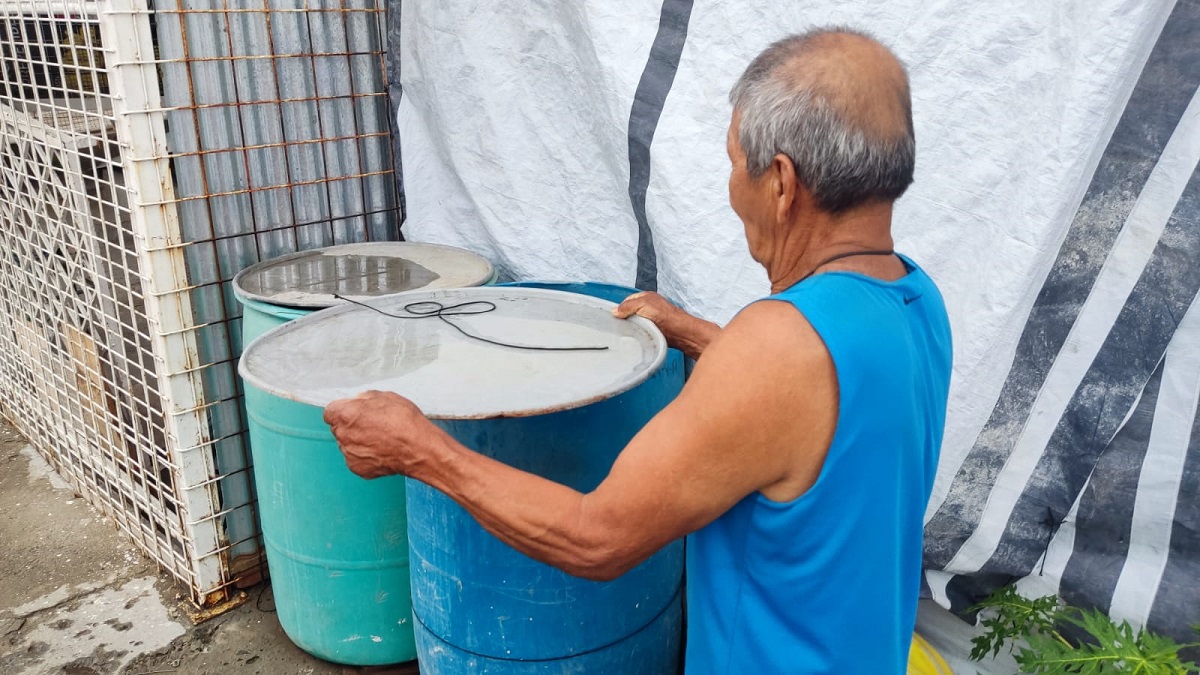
(757, 415)
(689, 334)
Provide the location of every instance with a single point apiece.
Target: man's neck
(814, 238)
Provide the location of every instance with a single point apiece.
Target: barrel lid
(350, 349)
(311, 278)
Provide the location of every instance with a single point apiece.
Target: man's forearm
(694, 336)
(545, 520)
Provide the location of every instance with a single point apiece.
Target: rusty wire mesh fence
(150, 152)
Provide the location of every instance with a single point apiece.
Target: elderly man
(800, 456)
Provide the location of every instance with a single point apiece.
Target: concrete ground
(76, 597)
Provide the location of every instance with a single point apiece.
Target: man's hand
(381, 433)
(655, 307)
(683, 331)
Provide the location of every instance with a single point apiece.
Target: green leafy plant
(1109, 647)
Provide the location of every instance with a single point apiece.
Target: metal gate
(150, 152)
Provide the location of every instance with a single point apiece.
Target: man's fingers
(633, 305)
(627, 307)
(355, 467)
(345, 410)
(334, 412)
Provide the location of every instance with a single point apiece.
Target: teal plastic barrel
(337, 545)
(260, 317)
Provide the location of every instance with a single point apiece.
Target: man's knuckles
(333, 412)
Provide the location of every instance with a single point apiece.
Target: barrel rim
(285, 312)
(621, 386)
(322, 300)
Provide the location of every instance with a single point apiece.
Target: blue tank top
(828, 582)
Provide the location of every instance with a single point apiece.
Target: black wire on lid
(429, 309)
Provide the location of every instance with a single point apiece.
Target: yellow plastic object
(923, 659)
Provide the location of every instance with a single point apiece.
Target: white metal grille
(150, 153)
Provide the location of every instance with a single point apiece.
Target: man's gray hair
(841, 162)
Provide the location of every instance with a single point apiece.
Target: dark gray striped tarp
(1140, 219)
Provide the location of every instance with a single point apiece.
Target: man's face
(744, 191)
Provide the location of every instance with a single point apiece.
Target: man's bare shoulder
(772, 331)
(770, 377)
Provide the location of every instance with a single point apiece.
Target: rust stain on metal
(319, 181)
(216, 604)
(248, 570)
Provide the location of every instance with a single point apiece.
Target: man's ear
(785, 186)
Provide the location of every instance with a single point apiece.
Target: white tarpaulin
(1056, 203)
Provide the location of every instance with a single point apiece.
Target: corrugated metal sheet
(279, 134)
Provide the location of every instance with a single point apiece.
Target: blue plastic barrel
(482, 608)
(611, 292)
(336, 544)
